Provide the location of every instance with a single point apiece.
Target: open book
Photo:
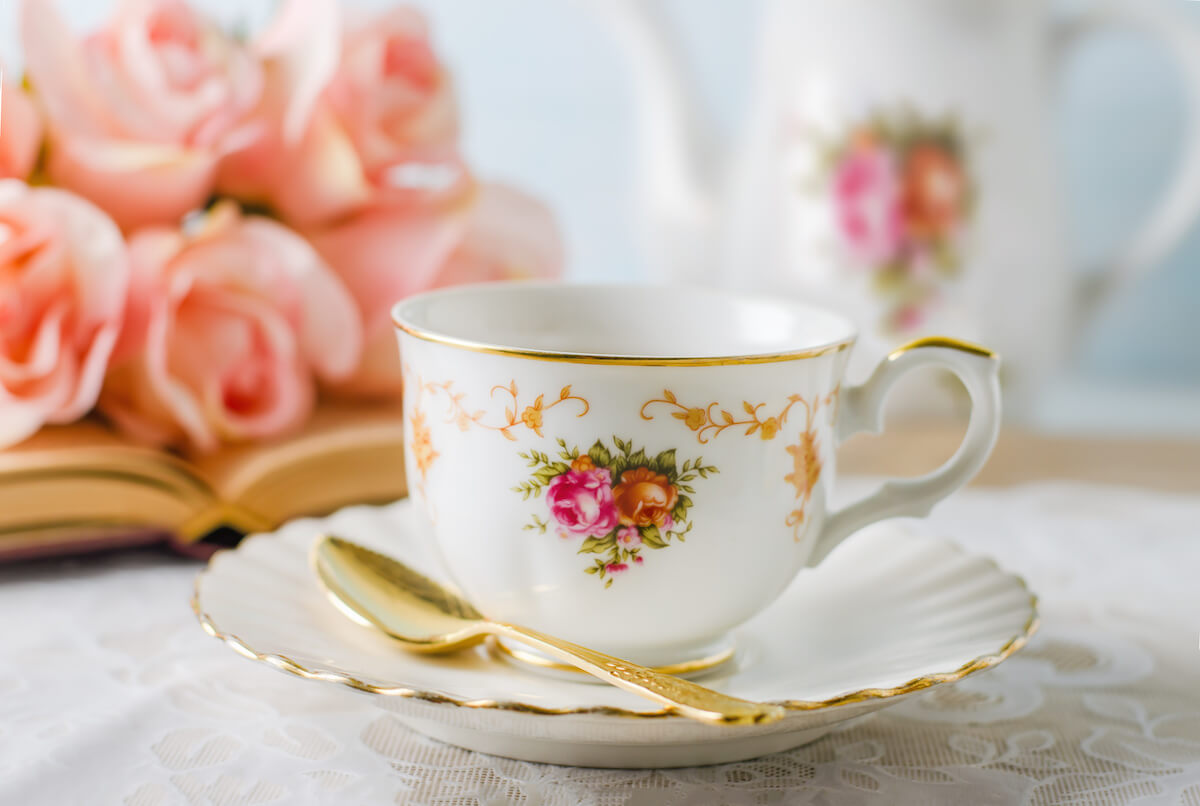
(81, 487)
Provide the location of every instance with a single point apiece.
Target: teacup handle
(862, 410)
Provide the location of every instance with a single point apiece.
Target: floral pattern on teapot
(902, 198)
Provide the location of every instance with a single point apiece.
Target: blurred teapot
(898, 164)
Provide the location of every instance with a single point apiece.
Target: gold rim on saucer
(286, 664)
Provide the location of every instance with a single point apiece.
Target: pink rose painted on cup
(228, 324)
(867, 199)
(581, 501)
(381, 126)
(20, 132)
(141, 110)
(64, 275)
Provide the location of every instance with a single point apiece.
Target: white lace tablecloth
(110, 693)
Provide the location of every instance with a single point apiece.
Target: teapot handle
(1179, 206)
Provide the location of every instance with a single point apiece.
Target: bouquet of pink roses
(199, 236)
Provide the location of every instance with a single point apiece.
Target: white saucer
(887, 615)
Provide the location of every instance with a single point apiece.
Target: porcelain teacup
(642, 469)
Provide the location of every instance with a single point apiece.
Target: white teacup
(642, 469)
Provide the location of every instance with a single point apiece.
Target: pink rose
(582, 502)
(20, 132)
(141, 110)
(510, 236)
(227, 326)
(616, 568)
(381, 128)
(63, 280)
(390, 251)
(395, 99)
(867, 200)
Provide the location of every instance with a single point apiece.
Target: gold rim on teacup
(618, 359)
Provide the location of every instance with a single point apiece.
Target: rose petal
(20, 132)
(330, 328)
(388, 253)
(58, 70)
(114, 174)
(301, 47)
(19, 419)
(511, 236)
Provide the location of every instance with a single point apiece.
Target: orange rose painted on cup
(645, 498)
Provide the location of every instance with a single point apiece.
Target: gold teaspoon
(425, 617)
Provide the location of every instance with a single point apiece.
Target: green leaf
(639, 459)
(653, 538)
(686, 488)
(547, 474)
(665, 461)
(591, 570)
(600, 455)
(597, 545)
(608, 583)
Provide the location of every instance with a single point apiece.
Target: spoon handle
(681, 696)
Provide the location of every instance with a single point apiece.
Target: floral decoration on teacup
(619, 501)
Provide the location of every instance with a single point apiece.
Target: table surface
(110, 693)
(1023, 456)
